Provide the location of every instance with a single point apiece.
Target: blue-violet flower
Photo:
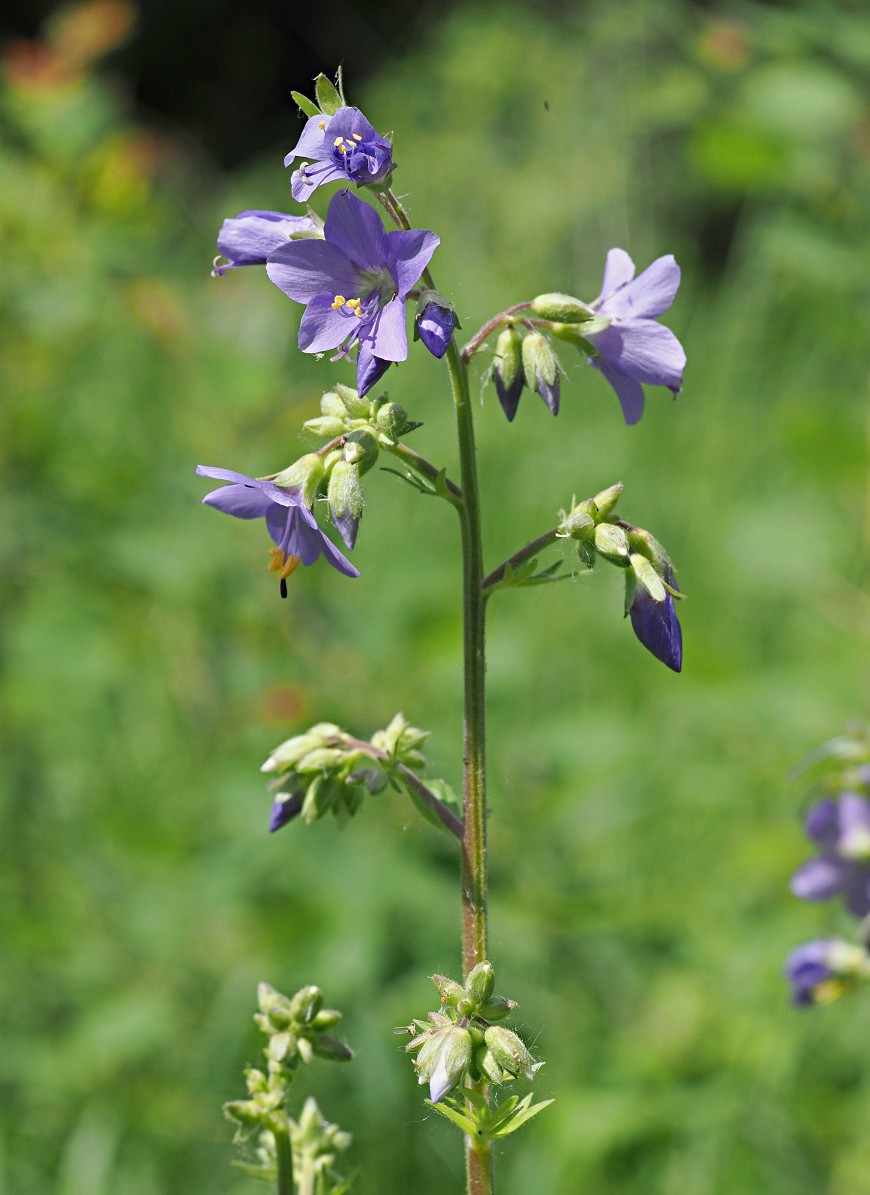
(343, 146)
(841, 830)
(289, 522)
(436, 324)
(821, 970)
(655, 623)
(248, 238)
(355, 282)
(634, 348)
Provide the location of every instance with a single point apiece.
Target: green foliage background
(643, 829)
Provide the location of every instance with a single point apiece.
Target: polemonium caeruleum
(248, 238)
(841, 831)
(634, 348)
(290, 523)
(355, 282)
(344, 146)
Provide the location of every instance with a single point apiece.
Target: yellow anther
(357, 313)
(354, 302)
(321, 124)
(281, 564)
(338, 142)
(357, 136)
(338, 302)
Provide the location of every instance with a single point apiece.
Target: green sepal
(328, 97)
(304, 104)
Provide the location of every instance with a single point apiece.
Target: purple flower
(248, 238)
(821, 970)
(654, 618)
(634, 348)
(841, 830)
(289, 522)
(343, 146)
(435, 326)
(354, 282)
(284, 809)
(369, 371)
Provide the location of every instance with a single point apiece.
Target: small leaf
(525, 1111)
(459, 1118)
(304, 104)
(327, 97)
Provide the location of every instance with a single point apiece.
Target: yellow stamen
(357, 136)
(338, 142)
(281, 564)
(354, 302)
(828, 991)
(338, 302)
(321, 124)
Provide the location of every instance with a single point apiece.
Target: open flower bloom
(355, 282)
(634, 349)
(290, 523)
(821, 970)
(343, 146)
(248, 238)
(841, 830)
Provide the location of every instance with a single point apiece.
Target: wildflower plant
(362, 272)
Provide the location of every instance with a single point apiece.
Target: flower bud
(541, 369)
(611, 542)
(449, 990)
(607, 499)
(274, 1005)
(508, 370)
(510, 1052)
(579, 522)
(321, 759)
(306, 1004)
(345, 496)
(450, 1063)
(305, 476)
(565, 308)
(327, 426)
(361, 448)
(356, 407)
(647, 577)
(327, 1046)
(497, 1008)
(392, 420)
(322, 796)
(489, 1068)
(333, 406)
(288, 754)
(435, 323)
(480, 982)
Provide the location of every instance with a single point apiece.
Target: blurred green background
(643, 829)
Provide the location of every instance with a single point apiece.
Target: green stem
(526, 552)
(426, 469)
(284, 1155)
(478, 1165)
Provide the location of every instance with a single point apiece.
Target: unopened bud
(305, 476)
(565, 308)
(392, 420)
(345, 497)
(510, 1052)
(607, 499)
(449, 990)
(645, 574)
(480, 982)
(508, 369)
(361, 448)
(356, 407)
(611, 542)
(541, 369)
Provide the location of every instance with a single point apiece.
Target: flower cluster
(650, 579)
(839, 827)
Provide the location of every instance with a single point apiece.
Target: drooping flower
(541, 370)
(841, 830)
(507, 370)
(290, 523)
(343, 146)
(436, 323)
(354, 283)
(248, 238)
(634, 348)
(821, 970)
(369, 371)
(653, 613)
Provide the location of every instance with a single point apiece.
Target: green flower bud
(490, 1068)
(579, 522)
(306, 1004)
(323, 795)
(509, 355)
(327, 1018)
(288, 754)
(345, 496)
(305, 1050)
(327, 1046)
(450, 1062)
(645, 574)
(449, 990)
(611, 542)
(327, 426)
(480, 982)
(321, 759)
(607, 499)
(510, 1052)
(392, 420)
(306, 476)
(356, 407)
(497, 1008)
(361, 449)
(281, 1046)
(565, 308)
(333, 405)
(274, 1005)
(243, 1112)
(539, 360)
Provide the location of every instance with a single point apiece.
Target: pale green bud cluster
(632, 548)
(462, 1038)
(297, 1030)
(329, 771)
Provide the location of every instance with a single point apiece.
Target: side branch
(426, 469)
(503, 317)
(525, 553)
(446, 816)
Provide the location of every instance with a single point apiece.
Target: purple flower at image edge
(343, 146)
(354, 283)
(290, 524)
(248, 238)
(841, 831)
(808, 969)
(634, 348)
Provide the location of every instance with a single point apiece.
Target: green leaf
(524, 1112)
(304, 104)
(460, 1119)
(327, 97)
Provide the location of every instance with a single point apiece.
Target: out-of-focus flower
(289, 522)
(344, 146)
(248, 238)
(634, 348)
(841, 830)
(355, 282)
(821, 970)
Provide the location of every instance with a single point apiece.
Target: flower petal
(283, 811)
(248, 238)
(618, 270)
(856, 888)
(225, 474)
(369, 370)
(305, 181)
(355, 229)
(657, 627)
(311, 141)
(628, 391)
(821, 823)
(348, 121)
(409, 253)
(642, 350)
(649, 295)
(386, 336)
(323, 327)
(303, 269)
(240, 501)
(817, 879)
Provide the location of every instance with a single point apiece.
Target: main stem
(284, 1156)
(478, 1161)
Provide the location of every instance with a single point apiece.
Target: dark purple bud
(657, 627)
(284, 811)
(435, 327)
(369, 371)
(509, 396)
(549, 392)
(347, 526)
